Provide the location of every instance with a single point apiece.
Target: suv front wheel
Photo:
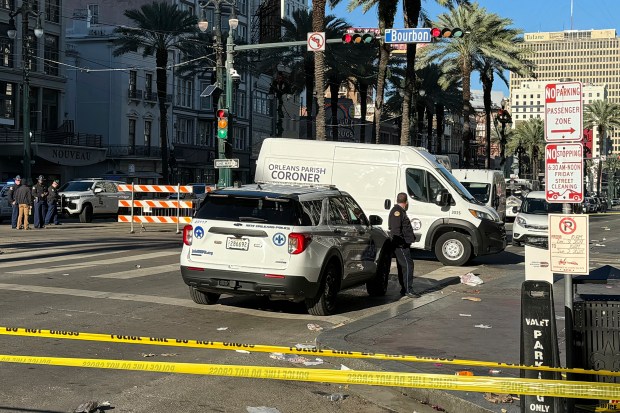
(325, 301)
(87, 213)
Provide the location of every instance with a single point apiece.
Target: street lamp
(221, 65)
(503, 117)
(26, 11)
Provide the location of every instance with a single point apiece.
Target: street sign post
(409, 35)
(564, 172)
(569, 243)
(563, 112)
(226, 163)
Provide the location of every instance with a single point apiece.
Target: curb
(336, 339)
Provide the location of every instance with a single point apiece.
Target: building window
(7, 4)
(184, 130)
(262, 103)
(242, 5)
(52, 11)
(6, 47)
(131, 137)
(241, 106)
(240, 139)
(51, 54)
(148, 125)
(242, 31)
(205, 133)
(93, 10)
(7, 101)
(133, 80)
(185, 93)
(148, 87)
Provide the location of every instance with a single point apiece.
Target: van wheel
(377, 286)
(87, 213)
(200, 297)
(453, 248)
(325, 302)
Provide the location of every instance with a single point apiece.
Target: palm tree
(160, 27)
(458, 56)
(489, 66)
(530, 135)
(612, 165)
(604, 115)
(363, 79)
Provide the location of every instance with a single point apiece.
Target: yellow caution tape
(261, 348)
(551, 388)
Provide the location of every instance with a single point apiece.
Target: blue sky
(528, 15)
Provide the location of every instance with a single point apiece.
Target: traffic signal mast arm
(280, 44)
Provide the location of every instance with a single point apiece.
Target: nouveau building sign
(70, 155)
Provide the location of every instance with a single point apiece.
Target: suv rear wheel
(325, 302)
(200, 297)
(87, 213)
(377, 286)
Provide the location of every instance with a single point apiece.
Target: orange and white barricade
(161, 207)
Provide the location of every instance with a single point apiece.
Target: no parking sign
(569, 244)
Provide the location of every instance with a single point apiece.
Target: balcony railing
(150, 96)
(54, 137)
(120, 151)
(134, 94)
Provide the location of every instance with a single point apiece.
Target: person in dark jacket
(52, 199)
(23, 197)
(39, 193)
(402, 234)
(12, 202)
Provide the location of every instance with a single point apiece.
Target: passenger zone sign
(563, 112)
(564, 172)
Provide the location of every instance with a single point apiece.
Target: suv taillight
(297, 243)
(188, 234)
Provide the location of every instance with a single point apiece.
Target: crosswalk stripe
(109, 261)
(48, 260)
(140, 272)
(51, 251)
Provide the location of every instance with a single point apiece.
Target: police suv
(92, 197)
(286, 242)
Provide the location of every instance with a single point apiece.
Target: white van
(486, 185)
(446, 218)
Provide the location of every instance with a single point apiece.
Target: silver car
(285, 242)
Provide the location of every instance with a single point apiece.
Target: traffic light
(222, 123)
(359, 36)
(455, 33)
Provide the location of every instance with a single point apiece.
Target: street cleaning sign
(563, 112)
(564, 172)
(569, 242)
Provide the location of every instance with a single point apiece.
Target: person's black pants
(404, 262)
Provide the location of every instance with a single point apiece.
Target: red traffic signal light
(222, 123)
(359, 36)
(447, 32)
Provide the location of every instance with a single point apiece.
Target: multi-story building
(477, 103)
(589, 56)
(56, 149)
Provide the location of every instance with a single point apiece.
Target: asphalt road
(98, 278)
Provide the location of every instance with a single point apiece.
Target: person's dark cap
(18, 178)
(56, 181)
(41, 177)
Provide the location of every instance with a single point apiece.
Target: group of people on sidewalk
(40, 199)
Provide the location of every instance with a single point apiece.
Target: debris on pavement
(138, 266)
(606, 228)
(494, 371)
(471, 279)
(476, 299)
(87, 407)
(314, 327)
(292, 358)
(599, 245)
(222, 328)
(66, 274)
(343, 367)
(317, 361)
(148, 354)
(482, 326)
(498, 398)
(169, 354)
(262, 409)
(464, 373)
(465, 315)
(243, 351)
(336, 397)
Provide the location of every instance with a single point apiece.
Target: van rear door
(243, 231)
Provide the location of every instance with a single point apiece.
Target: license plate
(237, 244)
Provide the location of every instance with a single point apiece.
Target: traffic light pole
(225, 175)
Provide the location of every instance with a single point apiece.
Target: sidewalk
(442, 324)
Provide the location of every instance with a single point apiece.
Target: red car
(573, 195)
(553, 194)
